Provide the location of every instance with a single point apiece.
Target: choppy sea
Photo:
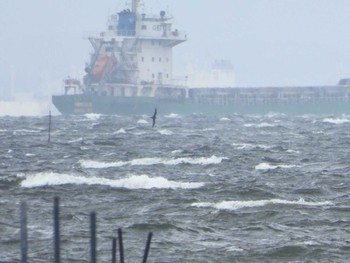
(272, 188)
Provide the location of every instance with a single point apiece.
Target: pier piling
(93, 237)
(56, 231)
(24, 238)
(148, 244)
(121, 247)
(114, 250)
(56, 237)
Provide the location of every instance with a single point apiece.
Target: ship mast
(135, 5)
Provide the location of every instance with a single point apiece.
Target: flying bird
(154, 117)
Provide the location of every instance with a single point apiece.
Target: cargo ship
(131, 72)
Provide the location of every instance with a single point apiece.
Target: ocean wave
(92, 116)
(165, 132)
(225, 119)
(259, 125)
(132, 182)
(293, 151)
(26, 131)
(234, 205)
(267, 166)
(153, 161)
(142, 121)
(336, 120)
(173, 116)
(120, 131)
(76, 140)
(243, 146)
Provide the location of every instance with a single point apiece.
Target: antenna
(135, 5)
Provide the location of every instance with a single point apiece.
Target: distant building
(220, 75)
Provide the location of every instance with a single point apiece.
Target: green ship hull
(83, 104)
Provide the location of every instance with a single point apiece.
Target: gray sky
(269, 42)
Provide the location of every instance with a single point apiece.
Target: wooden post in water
(148, 244)
(49, 126)
(121, 247)
(24, 239)
(114, 250)
(93, 237)
(56, 230)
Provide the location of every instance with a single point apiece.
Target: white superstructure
(135, 52)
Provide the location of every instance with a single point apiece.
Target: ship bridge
(136, 49)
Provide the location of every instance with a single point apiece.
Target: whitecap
(274, 114)
(92, 116)
(292, 151)
(267, 166)
(120, 131)
(234, 205)
(76, 140)
(165, 132)
(153, 161)
(132, 182)
(233, 249)
(25, 131)
(196, 160)
(259, 125)
(172, 116)
(224, 119)
(142, 121)
(244, 146)
(336, 120)
(101, 165)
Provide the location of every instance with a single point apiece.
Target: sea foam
(336, 120)
(172, 116)
(92, 116)
(267, 166)
(259, 125)
(153, 161)
(132, 182)
(142, 121)
(120, 131)
(234, 205)
(165, 132)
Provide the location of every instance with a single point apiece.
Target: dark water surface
(229, 188)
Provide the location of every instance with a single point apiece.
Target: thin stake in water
(121, 248)
(24, 238)
(49, 126)
(114, 250)
(148, 244)
(93, 237)
(56, 230)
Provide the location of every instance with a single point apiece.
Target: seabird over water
(154, 117)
